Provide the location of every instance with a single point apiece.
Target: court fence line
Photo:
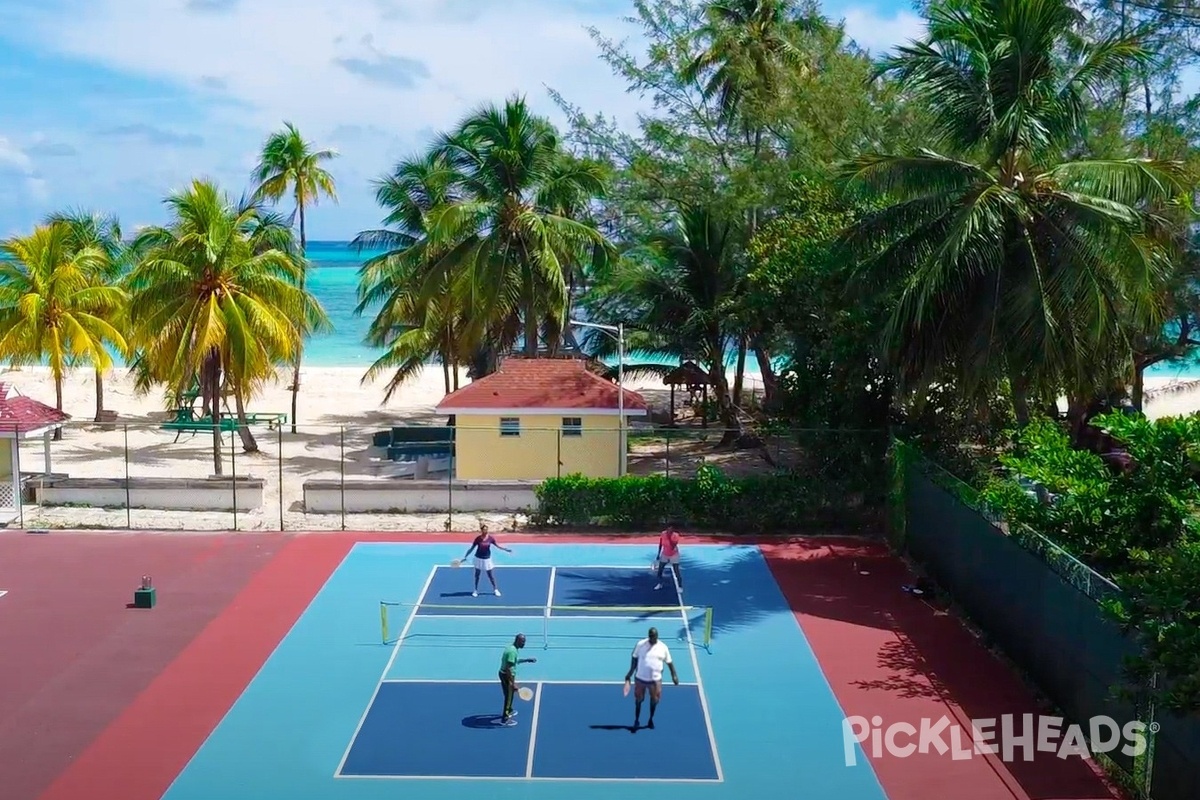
(1044, 609)
(167, 475)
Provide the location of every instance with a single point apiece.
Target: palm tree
(747, 49)
(682, 287)
(511, 243)
(216, 298)
(289, 166)
(103, 232)
(412, 328)
(1015, 262)
(51, 306)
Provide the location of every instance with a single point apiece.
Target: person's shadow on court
(482, 721)
(629, 728)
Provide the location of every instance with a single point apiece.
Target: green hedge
(782, 502)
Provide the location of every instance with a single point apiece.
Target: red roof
(21, 414)
(541, 383)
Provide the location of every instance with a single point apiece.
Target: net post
(383, 620)
(708, 614)
(546, 629)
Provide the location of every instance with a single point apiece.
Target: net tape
(550, 626)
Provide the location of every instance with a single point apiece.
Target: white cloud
(372, 77)
(15, 162)
(880, 31)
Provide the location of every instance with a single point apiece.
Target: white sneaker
(474, 594)
(657, 587)
(497, 593)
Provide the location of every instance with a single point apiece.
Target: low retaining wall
(160, 494)
(418, 497)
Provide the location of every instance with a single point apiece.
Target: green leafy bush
(711, 500)
(1136, 524)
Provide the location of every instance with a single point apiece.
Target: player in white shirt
(646, 669)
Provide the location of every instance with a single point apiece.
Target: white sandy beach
(337, 416)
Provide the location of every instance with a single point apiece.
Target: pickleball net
(446, 625)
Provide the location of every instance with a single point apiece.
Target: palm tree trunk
(300, 343)
(454, 373)
(249, 445)
(58, 401)
(766, 369)
(210, 388)
(99, 395)
(446, 372)
(725, 408)
(739, 375)
(531, 321)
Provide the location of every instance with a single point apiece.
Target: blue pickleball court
(369, 700)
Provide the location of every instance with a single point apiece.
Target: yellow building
(539, 418)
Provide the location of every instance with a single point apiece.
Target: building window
(572, 426)
(510, 426)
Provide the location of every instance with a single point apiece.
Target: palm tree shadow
(733, 580)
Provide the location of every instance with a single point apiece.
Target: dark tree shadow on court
(734, 581)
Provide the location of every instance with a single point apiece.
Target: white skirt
(483, 564)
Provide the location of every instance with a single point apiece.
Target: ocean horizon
(333, 281)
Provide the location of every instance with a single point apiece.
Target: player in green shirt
(508, 676)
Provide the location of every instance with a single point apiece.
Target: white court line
(3, 592)
(387, 668)
(476, 680)
(533, 723)
(687, 627)
(550, 593)
(523, 779)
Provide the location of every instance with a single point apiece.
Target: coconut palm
(411, 328)
(52, 308)
(1015, 262)
(511, 243)
(289, 166)
(746, 48)
(102, 231)
(682, 287)
(216, 298)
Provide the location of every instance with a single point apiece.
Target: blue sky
(112, 104)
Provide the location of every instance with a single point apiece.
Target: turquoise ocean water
(334, 281)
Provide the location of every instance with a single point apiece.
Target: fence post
(20, 499)
(558, 456)
(450, 484)
(342, 469)
(1151, 736)
(233, 471)
(128, 502)
(280, 431)
(668, 431)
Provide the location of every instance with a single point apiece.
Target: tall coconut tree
(1015, 261)
(410, 327)
(291, 167)
(103, 232)
(510, 243)
(216, 298)
(748, 51)
(52, 308)
(681, 288)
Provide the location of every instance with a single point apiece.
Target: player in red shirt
(668, 553)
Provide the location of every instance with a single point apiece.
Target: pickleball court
(359, 667)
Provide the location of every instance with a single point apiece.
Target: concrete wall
(163, 494)
(418, 497)
(540, 450)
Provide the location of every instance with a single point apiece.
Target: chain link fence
(156, 476)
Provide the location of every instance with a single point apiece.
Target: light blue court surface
(337, 713)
